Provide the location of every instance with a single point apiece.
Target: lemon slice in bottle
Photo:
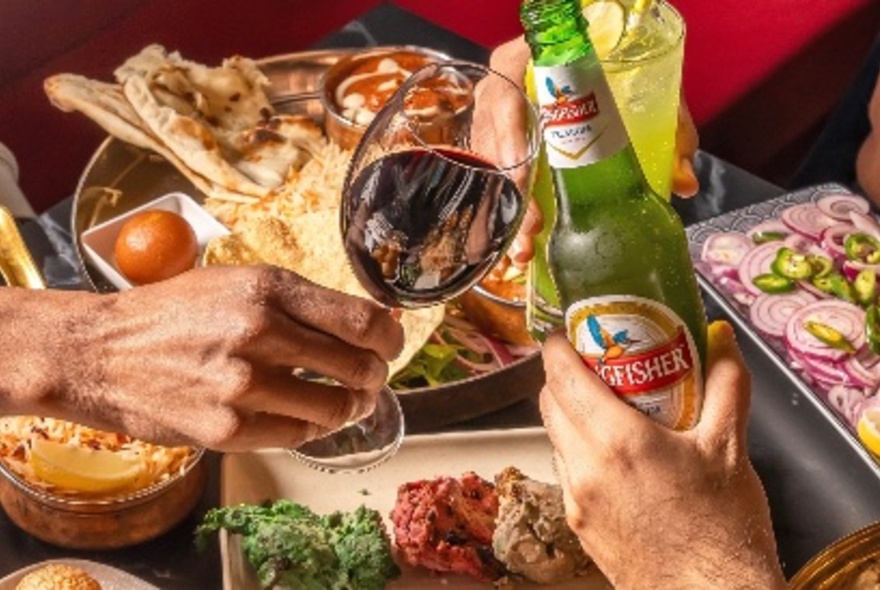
(607, 22)
(74, 468)
(868, 429)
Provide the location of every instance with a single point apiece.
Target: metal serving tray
(121, 177)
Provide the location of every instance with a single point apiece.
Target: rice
(317, 186)
(17, 434)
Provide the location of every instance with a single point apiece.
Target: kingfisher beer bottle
(617, 252)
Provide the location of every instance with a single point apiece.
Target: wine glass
(432, 199)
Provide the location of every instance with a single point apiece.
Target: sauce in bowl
(357, 86)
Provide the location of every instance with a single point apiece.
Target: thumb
(727, 387)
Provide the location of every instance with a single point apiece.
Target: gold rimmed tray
(120, 177)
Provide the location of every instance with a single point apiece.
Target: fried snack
(58, 576)
(310, 245)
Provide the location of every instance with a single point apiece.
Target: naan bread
(215, 125)
(106, 105)
(311, 245)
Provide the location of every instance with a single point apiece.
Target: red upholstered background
(759, 75)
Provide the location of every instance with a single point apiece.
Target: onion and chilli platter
(291, 223)
(799, 273)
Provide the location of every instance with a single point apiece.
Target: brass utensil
(16, 264)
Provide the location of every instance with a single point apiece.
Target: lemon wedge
(80, 469)
(868, 429)
(606, 20)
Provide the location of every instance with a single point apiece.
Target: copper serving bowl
(340, 128)
(845, 565)
(103, 523)
(497, 316)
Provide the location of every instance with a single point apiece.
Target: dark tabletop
(818, 488)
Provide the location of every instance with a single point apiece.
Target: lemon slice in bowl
(607, 21)
(75, 468)
(868, 429)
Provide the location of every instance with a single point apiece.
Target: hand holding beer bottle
(617, 251)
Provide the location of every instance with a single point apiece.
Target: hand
(681, 509)
(511, 59)
(868, 159)
(206, 358)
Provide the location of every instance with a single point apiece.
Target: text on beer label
(572, 110)
(639, 373)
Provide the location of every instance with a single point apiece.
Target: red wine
(420, 224)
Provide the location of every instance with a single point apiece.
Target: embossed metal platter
(121, 177)
(741, 220)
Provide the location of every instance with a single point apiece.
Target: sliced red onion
(736, 290)
(827, 372)
(851, 268)
(867, 357)
(848, 402)
(757, 261)
(846, 318)
(862, 376)
(813, 290)
(723, 271)
(838, 206)
(769, 226)
(726, 248)
(832, 238)
(807, 219)
(865, 223)
(770, 313)
(799, 243)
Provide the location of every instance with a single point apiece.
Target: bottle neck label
(644, 352)
(582, 124)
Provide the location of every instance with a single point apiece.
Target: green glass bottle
(617, 252)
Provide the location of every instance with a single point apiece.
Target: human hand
(681, 509)
(206, 358)
(511, 59)
(868, 158)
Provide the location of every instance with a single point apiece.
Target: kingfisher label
(644, 352)
(581, 122)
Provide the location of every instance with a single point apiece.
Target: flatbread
(107, 106)
(311, 245)
(215, 125)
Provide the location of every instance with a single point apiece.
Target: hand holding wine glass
(431, 201)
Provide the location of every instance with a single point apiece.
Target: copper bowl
(840, 565)
(497, 316)
(114, 522)
(341, 129)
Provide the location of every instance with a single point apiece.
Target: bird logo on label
(613, 345)
(560, 95)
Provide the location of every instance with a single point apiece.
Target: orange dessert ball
(155, 245)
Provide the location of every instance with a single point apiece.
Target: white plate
(272, 474)
(109, 577)
(99, 241)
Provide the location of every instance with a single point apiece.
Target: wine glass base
(359, 446)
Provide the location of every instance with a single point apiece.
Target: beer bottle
(617, 252)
